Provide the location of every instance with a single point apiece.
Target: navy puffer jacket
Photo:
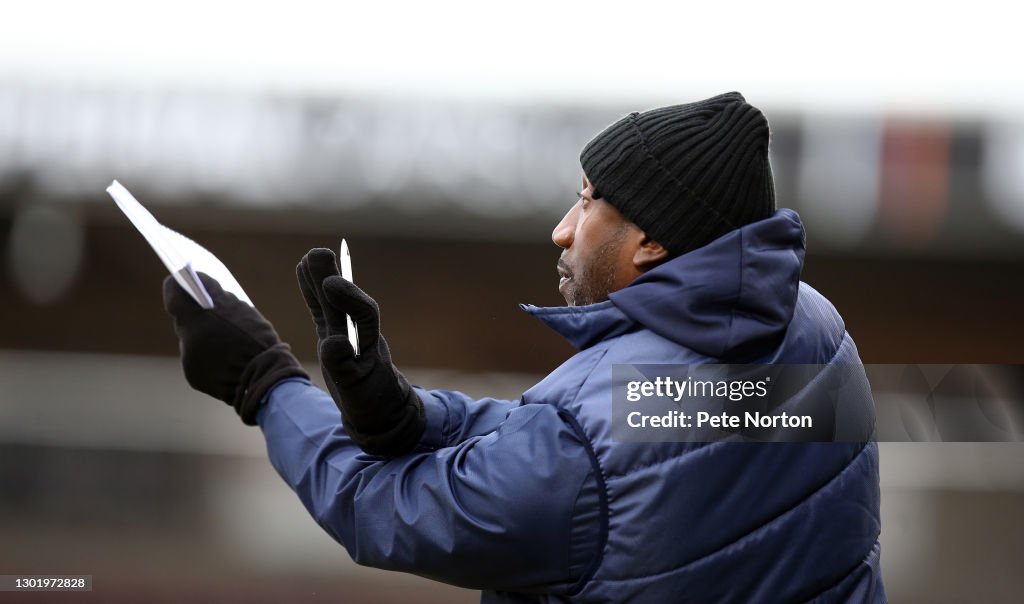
(533, 501)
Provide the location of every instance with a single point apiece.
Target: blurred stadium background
(442, 142)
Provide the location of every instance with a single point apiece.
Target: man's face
(597, 243)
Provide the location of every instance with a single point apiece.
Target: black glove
(229, 351)
(381, 412)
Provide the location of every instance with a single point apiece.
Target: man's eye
(580, 198)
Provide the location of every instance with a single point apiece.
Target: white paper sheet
(182, 256)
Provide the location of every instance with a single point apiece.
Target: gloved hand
(229, 351)
(381, 412)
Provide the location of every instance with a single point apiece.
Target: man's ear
(649, 255)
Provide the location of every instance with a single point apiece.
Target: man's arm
(496, 511)
(513, 504)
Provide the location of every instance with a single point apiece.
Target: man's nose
(565, 229)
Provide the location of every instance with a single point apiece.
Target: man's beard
(597, 278)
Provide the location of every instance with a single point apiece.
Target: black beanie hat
(685, 174)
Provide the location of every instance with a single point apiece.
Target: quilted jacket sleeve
(494, 510)
(452, 417)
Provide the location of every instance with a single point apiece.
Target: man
(674, 253)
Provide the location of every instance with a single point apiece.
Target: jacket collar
(583, 326)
